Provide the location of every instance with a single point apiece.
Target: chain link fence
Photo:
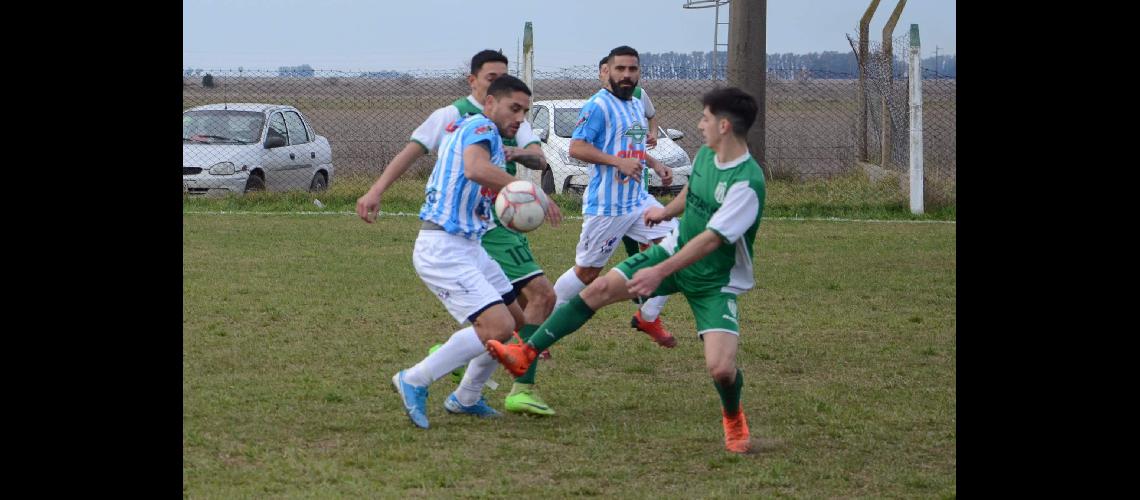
(339, 129)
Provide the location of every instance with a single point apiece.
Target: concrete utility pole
(747, 66)
(889, 61)
(864, 48)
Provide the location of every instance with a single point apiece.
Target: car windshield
(565, 119)
(222, 126)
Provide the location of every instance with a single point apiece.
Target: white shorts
(601, 234)
(459, 272)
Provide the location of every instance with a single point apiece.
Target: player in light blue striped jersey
(448, 257)
(611, 136)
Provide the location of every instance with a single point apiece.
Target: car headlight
(223, 168)
(570, 160)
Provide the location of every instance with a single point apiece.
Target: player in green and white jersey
(708, 257)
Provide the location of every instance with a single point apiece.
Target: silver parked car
(554, 122)
(237, 148)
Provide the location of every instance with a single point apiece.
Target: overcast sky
(363, 35)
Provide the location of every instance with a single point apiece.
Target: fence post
(889, 58)
(916, 187)
(528, 56)
(528, 79)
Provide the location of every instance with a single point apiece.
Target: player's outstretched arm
(647, 280)
(656, 215)
(368, 204)
(530, 157)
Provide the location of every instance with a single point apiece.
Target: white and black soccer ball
(521, 206)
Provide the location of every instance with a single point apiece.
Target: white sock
(478, 371)
(652, 308)
(567, 286)
(463, 346)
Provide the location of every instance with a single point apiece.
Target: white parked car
(554, 122)
(237, 148)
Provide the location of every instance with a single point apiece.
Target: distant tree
(208, 81)
(303, 71)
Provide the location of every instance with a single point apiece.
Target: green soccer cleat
(457, 375)
(524, 398)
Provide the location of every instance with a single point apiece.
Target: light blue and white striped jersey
(461, 206)
(618, 128)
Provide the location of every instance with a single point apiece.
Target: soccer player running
(509, 249)
(708, 258)
(610, 135)
(448, 256)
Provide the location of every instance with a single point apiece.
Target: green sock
(528, 377)
(730, 396)
(564, 321)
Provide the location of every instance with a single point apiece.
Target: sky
(403, 35)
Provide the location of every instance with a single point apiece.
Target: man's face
(710, 126)
(481, 81)
(508, 112)
(624, 73)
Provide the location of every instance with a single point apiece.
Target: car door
(277, 162)
(540, 118)
(303, 153)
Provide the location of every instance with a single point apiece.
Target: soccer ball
(521, 206)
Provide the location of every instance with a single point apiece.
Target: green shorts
(713, 310)
(512, 251)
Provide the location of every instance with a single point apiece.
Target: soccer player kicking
(448, 256)
(610, 136)
(708, 258)
(509, 249)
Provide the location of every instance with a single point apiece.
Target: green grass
(294, 324)
(846, 197)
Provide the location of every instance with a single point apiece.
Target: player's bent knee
(496, 322)
(611, 288)
(587, 274)
(724, 372)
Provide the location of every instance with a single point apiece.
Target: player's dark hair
(734, 105)
(624, 50)
(484, 57)
(504, 85)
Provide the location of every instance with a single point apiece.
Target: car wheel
(255, 183)
(319, 183)
(548, 181)
(568, 188)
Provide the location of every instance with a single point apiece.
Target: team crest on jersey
(637, 132)
(451, 127)
(482, 129)
(719, 193)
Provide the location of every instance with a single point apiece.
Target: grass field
(293, 325)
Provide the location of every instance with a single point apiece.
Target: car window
(277, 127)
(297, 132)
(565, 119)
(540, 118)
(222, 126)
